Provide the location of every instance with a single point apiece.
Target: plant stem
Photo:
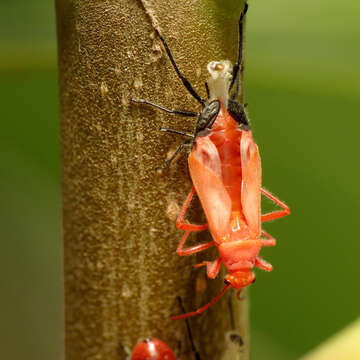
(121, 272)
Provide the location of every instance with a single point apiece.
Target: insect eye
(216, 66)
(219, 67)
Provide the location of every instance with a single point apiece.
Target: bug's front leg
(212, 267)
(169, 111)
(263, 264)
(269, 241)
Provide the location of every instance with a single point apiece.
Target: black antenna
(193, 348)
(207, 90)
(240, 55)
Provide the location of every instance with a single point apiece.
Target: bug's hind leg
(269, 240)
(177, 151)
(188, 228)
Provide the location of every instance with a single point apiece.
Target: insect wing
(251, 182)
(205, 171)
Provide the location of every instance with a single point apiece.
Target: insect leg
(235, 77)
(269, 241)
(173, 131)
(173, 156)
(192, 249)
(263, 264)
(275, 214)
(184, 80)
(185, 226)
(173, 111)
(188, 228)
(213, 267)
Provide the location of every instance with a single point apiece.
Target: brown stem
(121, 271)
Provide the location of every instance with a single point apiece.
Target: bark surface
(121, 272)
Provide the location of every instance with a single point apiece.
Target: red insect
(154, 349)
(225, 169)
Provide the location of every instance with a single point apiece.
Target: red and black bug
(155, 349)
(225, 169)
(152, 349)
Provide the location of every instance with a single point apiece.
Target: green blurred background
(302, 86)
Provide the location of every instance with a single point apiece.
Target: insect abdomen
(226, 137)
